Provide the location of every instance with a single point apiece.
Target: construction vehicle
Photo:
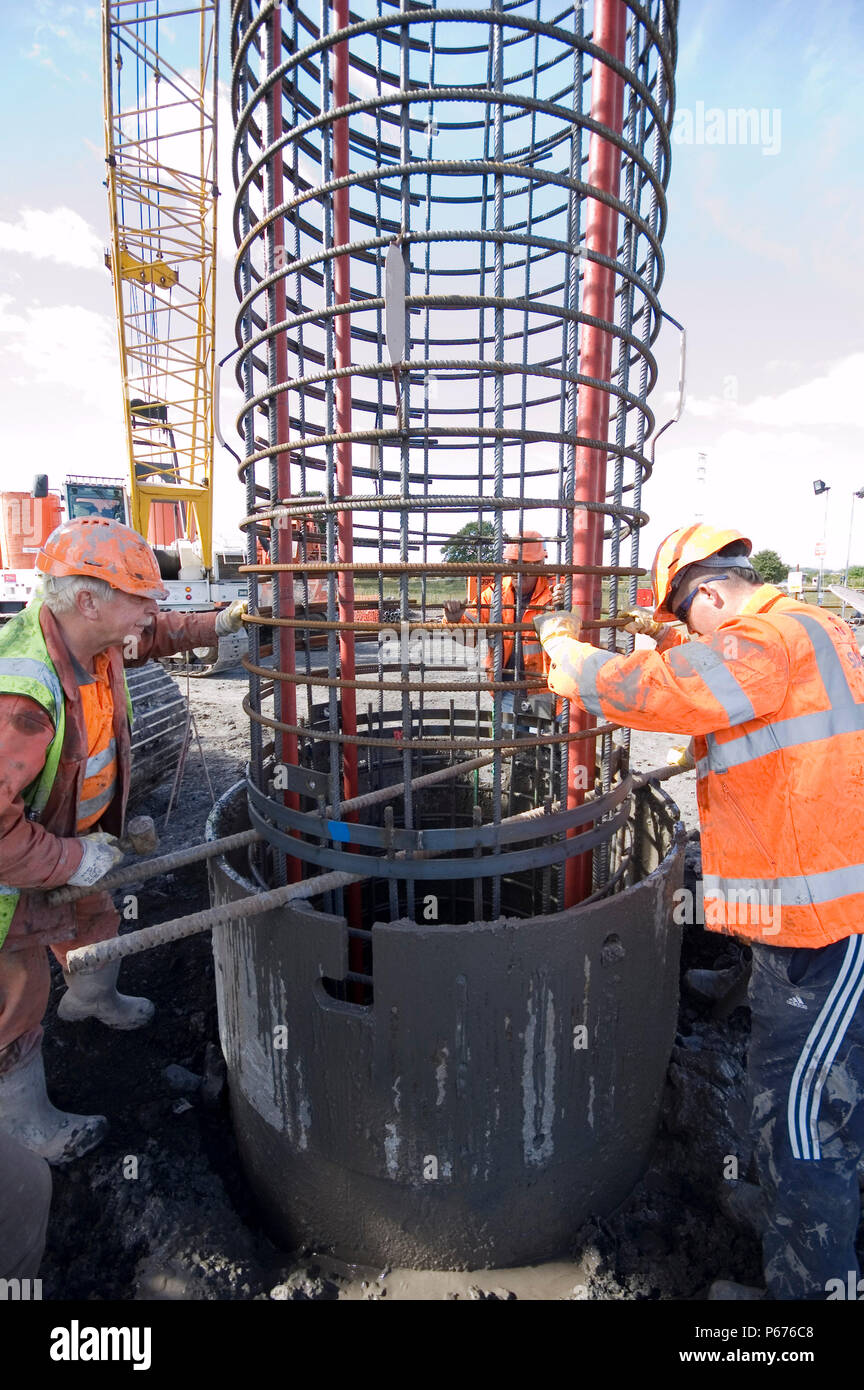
(26, 519)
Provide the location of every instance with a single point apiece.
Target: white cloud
(832, 399)
(60, 235)
(60, 393)
(36, 54)
(727, 219)
(759, 479)
(761, 459)
(702, 407)
(63, 346)
(825, 401)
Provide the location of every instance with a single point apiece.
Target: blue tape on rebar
(338, 830)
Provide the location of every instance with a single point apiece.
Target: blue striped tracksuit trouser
(806, 1080)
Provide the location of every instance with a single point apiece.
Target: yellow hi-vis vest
(27, 669)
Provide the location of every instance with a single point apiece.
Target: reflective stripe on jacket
(41, 853)
(775, 699)
(534, 659)
(26, 668)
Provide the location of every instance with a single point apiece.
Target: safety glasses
(684, 608)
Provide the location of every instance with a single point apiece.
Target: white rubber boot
(93, 994)
(26, 1114)
(744, 1204)
(727, 1291)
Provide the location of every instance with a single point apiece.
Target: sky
(762, 250)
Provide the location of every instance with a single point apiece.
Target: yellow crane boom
(160, 82)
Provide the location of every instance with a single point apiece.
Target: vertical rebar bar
(281, 548)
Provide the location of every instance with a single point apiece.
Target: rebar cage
(449, 226)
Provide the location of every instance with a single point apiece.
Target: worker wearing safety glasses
(772, 691)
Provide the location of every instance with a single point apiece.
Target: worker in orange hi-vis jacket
(773, 692)
(523, 597)
(65, 759)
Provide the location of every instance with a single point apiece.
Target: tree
(476, 541)
(769, 567)
(856, 577)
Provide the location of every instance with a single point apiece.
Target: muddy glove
(101, 854)
(230, 619)
(557, 594)
(641, 621)
(554, 629)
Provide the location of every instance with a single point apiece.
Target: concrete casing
(504, 1085)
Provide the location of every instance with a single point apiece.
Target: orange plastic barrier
(25, 523)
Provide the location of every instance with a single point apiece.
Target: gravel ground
(161, 1209)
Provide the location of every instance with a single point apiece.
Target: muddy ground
(161, 1208)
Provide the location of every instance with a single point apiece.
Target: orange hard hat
(101, 548)
(689, 545)
(530, 549)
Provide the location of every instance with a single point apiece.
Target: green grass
(437, 590)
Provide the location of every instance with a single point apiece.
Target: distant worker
(773, 691)
(64, 780)
(523, 597)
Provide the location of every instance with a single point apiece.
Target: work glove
(101, 853)
(641, 621)
(557, 594)
(681, 756)
(554, 629)
(230, 619)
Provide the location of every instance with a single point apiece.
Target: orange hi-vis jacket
(775, 699)
(100, 774)
(534, 659)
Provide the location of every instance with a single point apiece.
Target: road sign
(795, 581)
(819, 548)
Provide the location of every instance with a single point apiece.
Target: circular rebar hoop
(419, 277)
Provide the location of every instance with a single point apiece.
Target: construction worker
(523, 597)
(773, 691)
(64, 780)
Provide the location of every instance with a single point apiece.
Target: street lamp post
(820, 486)
(859, 494)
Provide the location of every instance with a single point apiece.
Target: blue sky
(762, 251)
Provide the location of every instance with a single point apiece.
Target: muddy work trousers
(806, 1078)
(25, 975)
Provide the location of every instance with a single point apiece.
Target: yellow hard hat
(689, 545)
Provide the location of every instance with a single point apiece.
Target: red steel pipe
(595, 360)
